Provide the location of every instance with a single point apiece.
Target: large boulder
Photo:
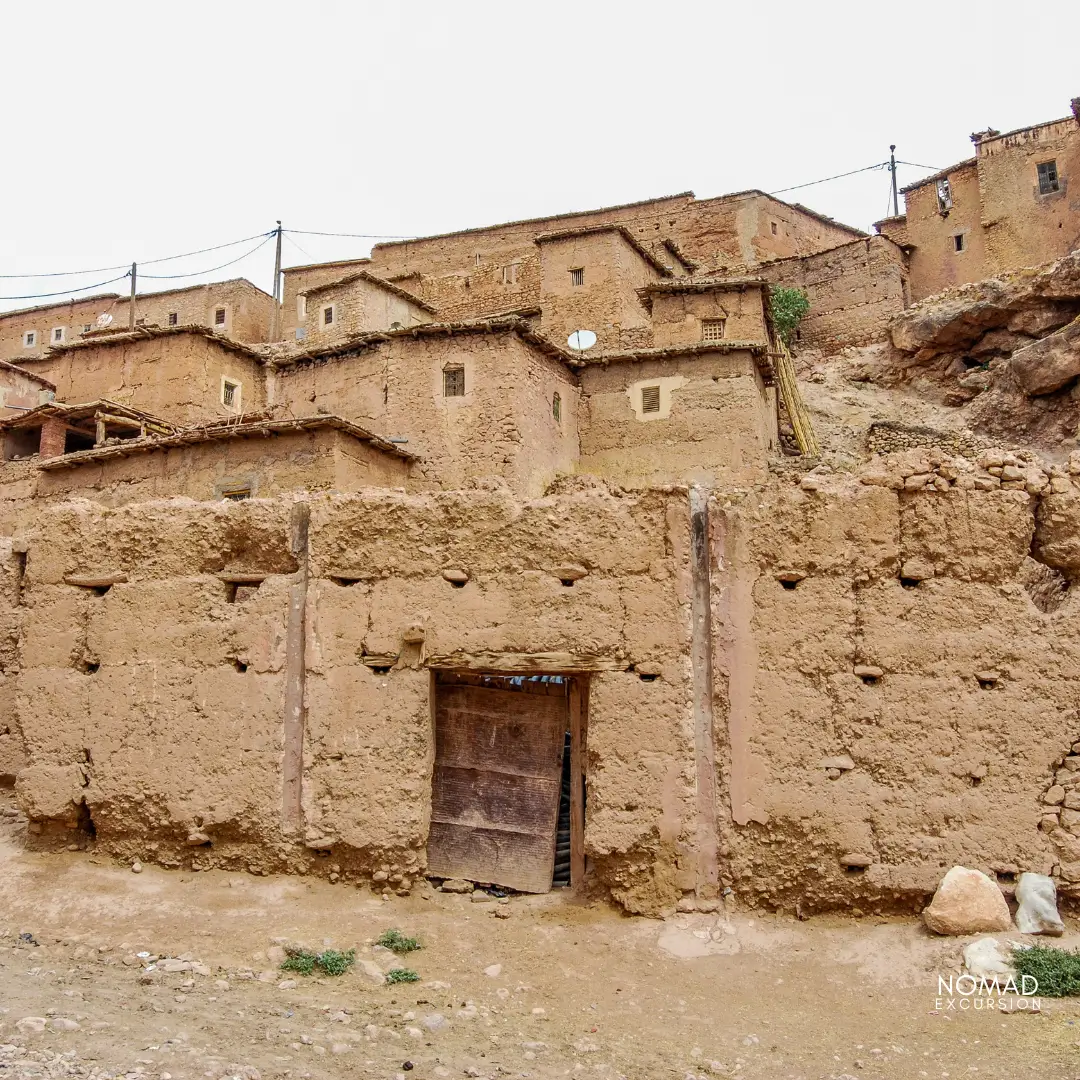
(967, 902)
(1037, 913)
(1047, 365)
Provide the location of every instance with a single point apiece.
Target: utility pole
(892, 169)
(131, 306)
(275, 329)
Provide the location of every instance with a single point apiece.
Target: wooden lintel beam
(95, 581)
(552, 663)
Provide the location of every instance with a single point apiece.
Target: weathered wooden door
(495, 791)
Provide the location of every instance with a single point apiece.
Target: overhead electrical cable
(351, 236)
(221, 266)
(67, 292)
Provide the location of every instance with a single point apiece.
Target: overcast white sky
(139, 130)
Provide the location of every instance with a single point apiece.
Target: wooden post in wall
(131, 306)
(577, 782)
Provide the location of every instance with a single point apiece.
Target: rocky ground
(558, 988)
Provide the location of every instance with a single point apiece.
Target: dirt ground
(559, 988)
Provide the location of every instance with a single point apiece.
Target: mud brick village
(561, 555)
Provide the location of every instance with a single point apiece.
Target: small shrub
(396, 941)
(788, 308)
(400, 975)
(1057, 971)
(331, 961)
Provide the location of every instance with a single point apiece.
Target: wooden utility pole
(892, 169)
(131, 306)
(275, 329)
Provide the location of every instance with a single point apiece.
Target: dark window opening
(577, 277)
(381, 669)
(944, 195)
(58, 334)
(958, 242)
(174, 318)
(556, 407)
(328, 316)
(345, 582)
(909, 582)
(772, 225)
(236, 494)
(1048, 177)
(77, 440)
(219, 317)
(650, 399)
(453, 382)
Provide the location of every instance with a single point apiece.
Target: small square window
(944, 195)
(219, 316)
(556, 407)
(29, 339)
(958, 242)
(577, 277)
(86, 328)
(453, 381)
(509, 274)
(174, 318)
(230, 394)
(328, 315)
(58, 335)
(650, 399)
(1048, 177)
(712, 329)
(772, 225)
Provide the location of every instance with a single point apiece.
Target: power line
(69, 292)
(930, 168)
(838, 176)
(146, 262)
(266, 237)
(351, 236)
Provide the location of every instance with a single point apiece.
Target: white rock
(1037, 913)
(29, 1025)
(985, 958)
(414, 1033)
(136, 867)
(493, 971)
(287, 984)
(434, 1021)
(371, 971)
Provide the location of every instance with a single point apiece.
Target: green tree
(788, 307)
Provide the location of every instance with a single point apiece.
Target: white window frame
(29, 339)
(323, 309)
(224, 324)
(53, 339)
(301, 307)
(238, 388)
(87, 327)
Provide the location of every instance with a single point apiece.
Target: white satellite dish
(103, 320)
(580, 340)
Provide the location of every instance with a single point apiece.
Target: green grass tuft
(331, 961)
(396, 941)
(1057, 971)
(400, 975)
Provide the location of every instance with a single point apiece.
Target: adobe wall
(677, 316)
(935, 262)
(606, 302)
(176, 377)
(716, 422)
(248, 315)
(1024, 228)
(19, 392)
(357, 306)
(908, 650)
(854, 290)
(316, 460)
(151, 724)
(502, 426)
(889, 694)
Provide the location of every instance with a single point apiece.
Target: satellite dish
(580, 340)
(103, 320)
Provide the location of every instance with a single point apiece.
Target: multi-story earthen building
(1015, 203)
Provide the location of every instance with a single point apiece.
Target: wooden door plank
(516, 860)
(486, 799)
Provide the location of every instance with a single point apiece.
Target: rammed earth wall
(847, 687)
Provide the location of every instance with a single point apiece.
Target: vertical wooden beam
(578, 700)
(295, 676)
(702, 675)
